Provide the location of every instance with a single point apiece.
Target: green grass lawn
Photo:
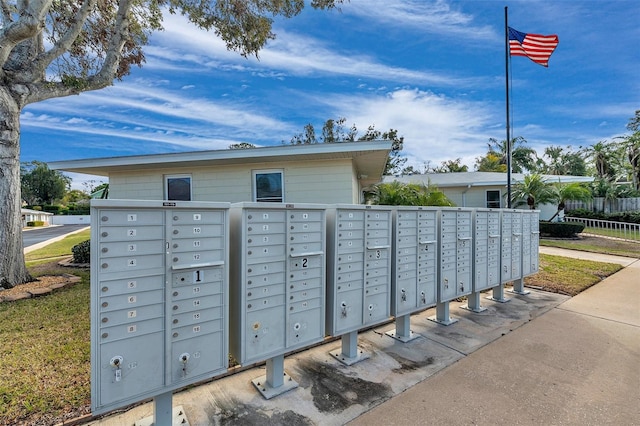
(45, 341)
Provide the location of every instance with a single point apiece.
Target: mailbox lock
(423, 297)
(404, 295)
(344, 309)
(116, 361)
(184, 358)
(105, 234)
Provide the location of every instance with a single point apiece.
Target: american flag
(536, 47)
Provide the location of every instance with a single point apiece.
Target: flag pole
(506, 61)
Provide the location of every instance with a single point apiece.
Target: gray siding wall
(309, 182)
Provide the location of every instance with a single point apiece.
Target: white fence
(70, 220)
(601, 204)
(624, 230)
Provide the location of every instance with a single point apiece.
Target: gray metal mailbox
(530, 242)
(486, 255)
(511, 263)
(456, 248)
(159, 298)
(278, 296)
(359, 240)
(414, 265)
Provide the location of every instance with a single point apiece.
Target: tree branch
(65, 43)
(28, 26)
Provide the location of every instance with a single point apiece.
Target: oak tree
(51, 49)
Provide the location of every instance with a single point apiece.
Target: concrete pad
(562, 368)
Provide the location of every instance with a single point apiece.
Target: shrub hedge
(35, 223)
(82, 252)
(560, 229)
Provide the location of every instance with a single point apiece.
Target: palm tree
(569, 192)
(406, 194)
(533, 191)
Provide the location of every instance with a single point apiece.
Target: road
(39, 235)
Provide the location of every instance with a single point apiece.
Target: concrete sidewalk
(542, 358)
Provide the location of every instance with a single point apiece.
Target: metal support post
(442, 314)
(473, 303)
(518, 287)
(403, 329)
(349, 353)
(163, 409)
(276, 381)
(498, 294)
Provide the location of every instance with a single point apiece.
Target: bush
(35, 223)
(82, 252)
(560, 229)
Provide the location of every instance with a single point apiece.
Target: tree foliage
(522, 158)
(406, 194)
(51, 49)
(562, 161)
(334, 131)
(41, 185)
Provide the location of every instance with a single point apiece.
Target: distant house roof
(369, 157)
(444, 180)
(35, 212)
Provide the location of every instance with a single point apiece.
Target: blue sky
(433, 70)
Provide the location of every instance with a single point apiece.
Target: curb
(43, 291)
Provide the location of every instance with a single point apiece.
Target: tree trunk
(12, 267)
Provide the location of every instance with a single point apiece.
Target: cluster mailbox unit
(278, 291)
(359, 239)
(159, 298)
(178, 286)
(414, 266)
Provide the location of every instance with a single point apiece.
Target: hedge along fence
(35, 223)
(560, 229)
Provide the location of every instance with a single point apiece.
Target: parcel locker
(486, 273)
(511, 255)
(159, 297)
(278, 276)
(456, 248)
(359, 240)
(415, 260)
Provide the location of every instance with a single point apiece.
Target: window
(267, 186)
(177, 187)
(493, 199)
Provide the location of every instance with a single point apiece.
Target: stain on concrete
(408, 365)
(333, 391)
(236, 414)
